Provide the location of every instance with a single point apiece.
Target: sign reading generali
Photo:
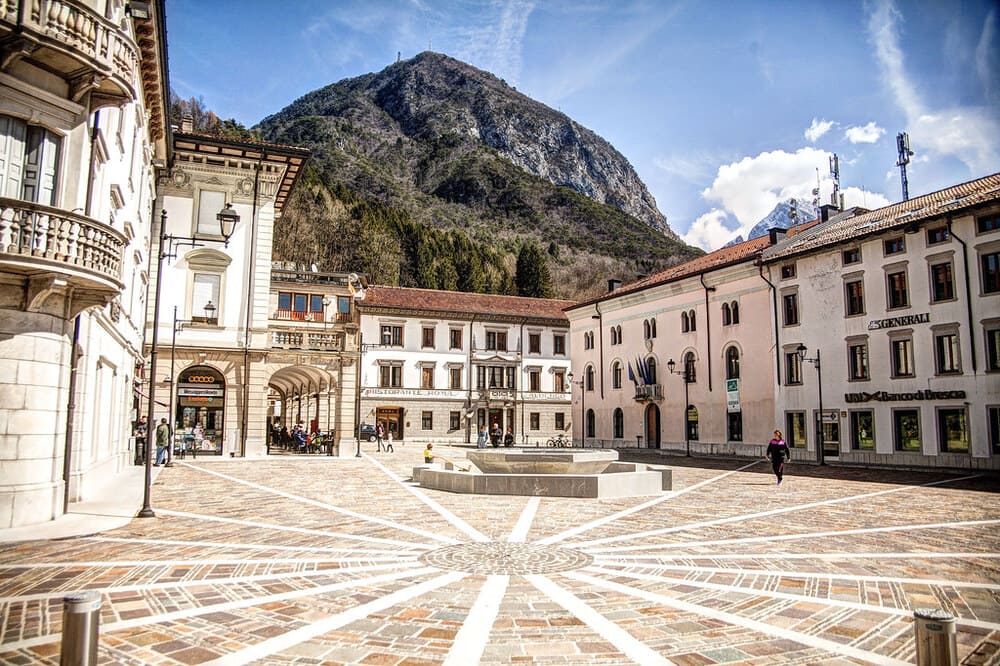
(893, 322)
(885, 396)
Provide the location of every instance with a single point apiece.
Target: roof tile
(462, 303)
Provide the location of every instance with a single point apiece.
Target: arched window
(732, 363)
(685, 324)
(590, 427)
(652, 325)
(689, 367)
(726, 316)
(645, 330)
(651, 366)
(619, 331)
(616, 375)
(736, 312)
(590, 378)
(614, 340)
(691, 320)
(619, 423)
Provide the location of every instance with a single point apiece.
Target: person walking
(198, 433)
(777, 453)
(140, 441)
(388, 442)
(162, 442)
(483, 438)
(379, 434)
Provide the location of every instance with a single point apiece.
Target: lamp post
(801, 349)
(228, 218)
(687, 380)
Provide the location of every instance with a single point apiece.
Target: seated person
(429, 454)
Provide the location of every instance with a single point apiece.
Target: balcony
(649, 392)
(37, 240)
(73, 40)
(307, 340)
(315, 317)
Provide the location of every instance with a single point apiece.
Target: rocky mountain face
(457, 148)
(780, 217)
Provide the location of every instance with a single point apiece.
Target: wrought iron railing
(649, 392)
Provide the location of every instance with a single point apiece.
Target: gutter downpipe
(968, 292)
(600, 348)
(74, 360)
(245, 416)
(469, 408)
(708, 329)
(520, 374)
(774, 314)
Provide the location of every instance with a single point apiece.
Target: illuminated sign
(201, 379)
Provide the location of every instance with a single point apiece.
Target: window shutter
(12, 133)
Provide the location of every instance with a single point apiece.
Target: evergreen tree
(532, 277)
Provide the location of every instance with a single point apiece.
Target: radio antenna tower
(835, 173)
(815, 192)
(903, 146)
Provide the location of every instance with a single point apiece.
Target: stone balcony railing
(648, 392)
(307, 340)
(72, 39)
(36, 238)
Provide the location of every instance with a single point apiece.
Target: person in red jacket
(777, 453)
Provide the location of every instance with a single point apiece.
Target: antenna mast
(815, 193)
(835, 172)
(903, 146)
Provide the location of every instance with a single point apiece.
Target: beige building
(900, 306)
(82, 135)
(437, 365)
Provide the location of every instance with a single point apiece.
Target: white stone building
(83, 94)
(901, 306)
(436, 365)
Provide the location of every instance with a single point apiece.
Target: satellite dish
(313, 268)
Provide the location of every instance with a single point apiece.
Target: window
(906, 429)
(734, 426)
(863, 430)
(29, 161)
(651, 370)
(689, 367)
(588, 341)
(495, 376)
(993, 416)
(391, 335)
(691, 320)
(942, 283)
(854, 297)
(618, 424)
(953, 430)
(937, 235)
(790, 309)
(344, 305)
(455, 338)
(427, 337)
(427, 420)
(685, 323)
(652, 327)
(496, 340)
(990, 272)
(896, 290)
(894, 245)
(534, 421)
(988, 223)
(735, 307)
(857, 361)
(946, 353)
(559, 381)
(793, 368)
(646, 332)
(732, 363)
(616, 375)
(851, 256)
(559, 344)
(534, 379)
(589, 378)
(455, 378)
(535, 343)
(795, 429)
(560, 421)
(590, 426)
(902, 357)
(390, 376)
(206, 290)
(787, 271)
(454, 420)
(427, 377)
(209, 205)
(727, 316)
(993, 349)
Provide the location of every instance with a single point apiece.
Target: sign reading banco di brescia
(904, 320)
(885, 396)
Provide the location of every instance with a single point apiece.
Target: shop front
(201, 400)
(391, 419)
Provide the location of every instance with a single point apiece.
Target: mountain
(780, 217)
(432, 146)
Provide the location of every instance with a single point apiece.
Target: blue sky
(724, 108)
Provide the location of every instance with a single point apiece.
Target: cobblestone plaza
(316, 560)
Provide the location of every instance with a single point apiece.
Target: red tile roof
(895, 216)
(462, 305)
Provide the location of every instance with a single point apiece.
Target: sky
(723, 108)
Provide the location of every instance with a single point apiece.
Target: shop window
(942, 282)
(947, 354)
(990, 264)
(795, 429)
(854, 298)
(896, 290)
(901, 350)
(953, 430)
(906, 429)
(618, 423)
(863, 430)
(734, 426)
(427, 420)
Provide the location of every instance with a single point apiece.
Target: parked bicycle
(560, 440)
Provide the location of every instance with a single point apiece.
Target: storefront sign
(893, 322)
(218, 393)
(732, 395)
(410, 393)
(884, 396)
(201, 379)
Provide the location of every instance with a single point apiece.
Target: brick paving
(317, 560)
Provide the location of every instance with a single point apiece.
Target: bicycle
(560, 441)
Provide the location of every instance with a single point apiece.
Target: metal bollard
(81, 624)
(934, 630)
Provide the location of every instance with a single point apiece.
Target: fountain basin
(528, 461)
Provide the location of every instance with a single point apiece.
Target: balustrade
(649, 392)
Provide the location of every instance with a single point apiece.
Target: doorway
(652, 427)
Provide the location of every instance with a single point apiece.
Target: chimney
(826, 210)
(187, 123)
(614, 284)
(776, 234)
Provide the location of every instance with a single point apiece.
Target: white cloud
(969, 133)
(817, 129)
(709, 231)
(856, 196)
(869, 133)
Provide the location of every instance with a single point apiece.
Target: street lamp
(687, 380)
(228, 218)
(801, 349)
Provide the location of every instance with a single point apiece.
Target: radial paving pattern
(327, 561)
